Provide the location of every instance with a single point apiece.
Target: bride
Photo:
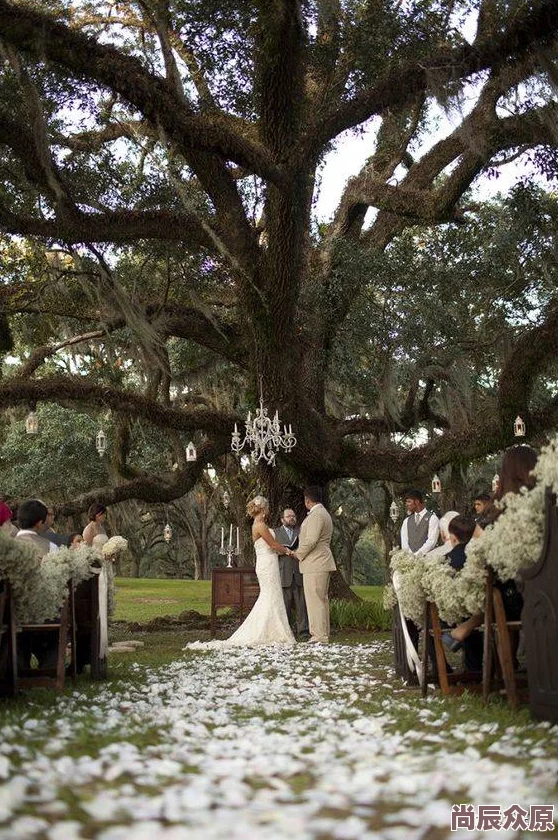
(267, 622)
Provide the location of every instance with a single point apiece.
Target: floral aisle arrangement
(20, 566)
(411, 594)
(40, 587)
(512, 543)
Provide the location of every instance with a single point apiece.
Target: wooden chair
(8, 656)
(450, 683)
(499, 635)
(43, 676)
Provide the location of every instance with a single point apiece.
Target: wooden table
(233, 588)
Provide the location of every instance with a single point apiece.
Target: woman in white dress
(267, 622)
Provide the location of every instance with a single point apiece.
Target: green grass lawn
(140, 599)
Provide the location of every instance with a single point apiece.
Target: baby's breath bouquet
(546, 468)
(39, 588)
(20, 566)
(515, 539)
(411, 594)
(440, 585)
(114, 546)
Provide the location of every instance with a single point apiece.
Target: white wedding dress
(267, 622)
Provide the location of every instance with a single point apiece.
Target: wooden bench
(85, 629)
(8, 655)
(539, 586)
(29, 634)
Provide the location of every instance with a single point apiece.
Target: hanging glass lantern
(436, 485)
(191, 454)
(101, 442)
(393, 511)
(167, 533)
(226, 499)
(495, 482)
(519, 427)
(32, 423)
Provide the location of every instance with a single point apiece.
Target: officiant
(291, 579)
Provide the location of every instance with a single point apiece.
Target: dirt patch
(186, 620)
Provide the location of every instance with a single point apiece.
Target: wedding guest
(32, 515)
(6, 516)
(461, 529)
(96, 525)
(446, 546)
(420, 529)
(484, 506)
(74, 540)
(49, 532)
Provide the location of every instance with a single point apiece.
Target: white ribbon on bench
(413, 659)
(103, 611)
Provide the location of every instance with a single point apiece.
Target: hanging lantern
(436, 485)
(32, 423)
(167, 533)
(495, 482)
(101, 442)
(226, 499)
(393, 511)
(191, 454)
(519, 427)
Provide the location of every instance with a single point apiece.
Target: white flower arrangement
(411, 595)
(114, 546)
(40, 587)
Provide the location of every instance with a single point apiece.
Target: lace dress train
(267, 622)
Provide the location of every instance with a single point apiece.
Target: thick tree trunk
(340, 589)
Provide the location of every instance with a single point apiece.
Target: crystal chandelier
(263, 435)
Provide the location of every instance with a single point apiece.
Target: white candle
(222, 539)
(237, 541)
(230, 536)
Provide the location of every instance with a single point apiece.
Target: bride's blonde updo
(256, 505)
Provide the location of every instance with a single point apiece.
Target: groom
(316, 563)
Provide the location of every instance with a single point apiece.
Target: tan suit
(316, 563)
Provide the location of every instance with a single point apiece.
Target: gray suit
(291, 582)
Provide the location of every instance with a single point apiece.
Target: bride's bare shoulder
(258, 530)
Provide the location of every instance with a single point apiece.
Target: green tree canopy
(161, 253)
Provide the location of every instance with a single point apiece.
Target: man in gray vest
(291, 578)
(421, 528)
(419, 535)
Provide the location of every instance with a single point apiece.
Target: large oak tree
(160, 162)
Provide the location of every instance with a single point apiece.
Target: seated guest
(74, 540)
(446, 546)
(32, 515)
(96, 525)
(461, 529)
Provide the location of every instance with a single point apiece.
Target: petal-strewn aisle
(316, 742)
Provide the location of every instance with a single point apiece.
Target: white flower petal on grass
(70, 830)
